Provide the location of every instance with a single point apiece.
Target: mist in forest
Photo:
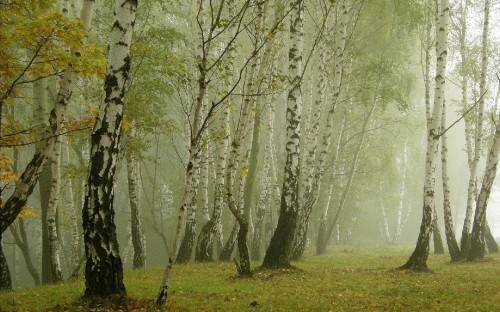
(257, 131)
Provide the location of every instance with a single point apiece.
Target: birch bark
(136, 231)
(465, 242)
(104, 270)
(448, 217)
(55, 168)
(69, 195)
(315, 174)
(477, 240)
(278, 252)
(418, 259)
(26, 183)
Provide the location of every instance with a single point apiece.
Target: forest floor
(347, 278)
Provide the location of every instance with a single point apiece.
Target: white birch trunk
(477, 238)
(25, 184)
(278, 252)
(204, 184)
(418, 259)
(465, 241)
(104, 270)
(55, 168)
(448, 218)
(136, 231)
(73, 224)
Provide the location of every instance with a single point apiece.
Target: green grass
(346, 279)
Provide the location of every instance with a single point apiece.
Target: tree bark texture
(40, 98)
(5, 278)
(104, 270)
(137, 233)
(436, 234)
(418, 259)
(193, 162)
(228, 248)
(278, 252)
(73, 224)
(26, 183)
(477, 242)
(466, 239)
(448, 217)
(55, 167)
(205, 243)
(315, 174)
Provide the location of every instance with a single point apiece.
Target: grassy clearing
(346, 279)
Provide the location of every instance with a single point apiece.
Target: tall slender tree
(278, 252)
(104, 270)
(418, 259)
(453, 248)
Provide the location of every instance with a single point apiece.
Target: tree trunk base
(205, 244)
(186, 249)
(227, 250)
(5, 279)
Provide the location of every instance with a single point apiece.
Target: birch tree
(418, 259)
(104, 270)
(278, 252)
(26, 183)
(453, 248)
(477, 240)
(472, 189)
(199, 125)
(315, 169)
(137, 234)
(55, 168)
(70, 201)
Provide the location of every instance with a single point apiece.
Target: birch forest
(234, 155)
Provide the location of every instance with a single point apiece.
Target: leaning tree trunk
(466, 239)
(228, 248)
(477, 243)
(448, 218)
(186, 248)
(213, 228)
(5, 279)
(25, 185)
(188, 240)
(204, 246)
(324, 215)
(418, 259)
(193, 163)
(477, 236)
(321, 247)
(260, 212)
(104, 270)
(436, 234)
(278, 252)
(491, 243)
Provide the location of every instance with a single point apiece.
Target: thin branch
(45, 138)
(463, 115)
